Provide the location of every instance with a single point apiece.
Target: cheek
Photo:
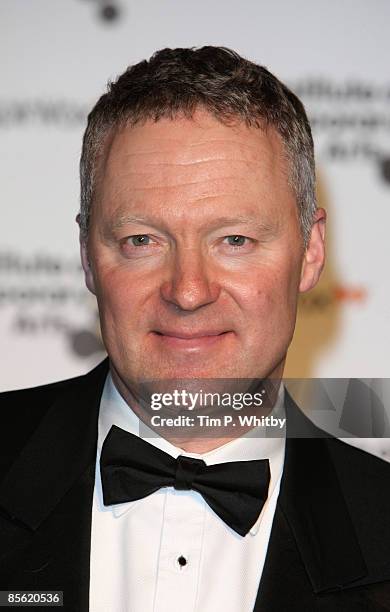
(263, 292)
(269, 301)
(119, 300)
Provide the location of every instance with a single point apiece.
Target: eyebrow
(264, 227)
(127, 219)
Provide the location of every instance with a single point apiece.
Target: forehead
(187, 140)
(187, 160)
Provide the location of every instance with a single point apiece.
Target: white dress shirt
(169, 552)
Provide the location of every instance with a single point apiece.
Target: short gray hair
(176, 82)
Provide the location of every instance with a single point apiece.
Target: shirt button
(182, 561)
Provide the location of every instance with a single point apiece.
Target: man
(198, 229)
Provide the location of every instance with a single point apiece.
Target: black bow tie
(132, 469)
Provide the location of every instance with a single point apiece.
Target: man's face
(195, 251)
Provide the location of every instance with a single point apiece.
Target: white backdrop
(56, 58)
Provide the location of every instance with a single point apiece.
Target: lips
(194, 340)
(190, 335)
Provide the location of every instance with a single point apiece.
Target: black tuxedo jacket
(329, 548)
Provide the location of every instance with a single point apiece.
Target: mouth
(191, 341)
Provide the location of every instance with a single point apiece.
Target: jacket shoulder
(361, 469)
(22, 410)
(29, 405)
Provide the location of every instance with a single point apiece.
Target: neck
(194, 441)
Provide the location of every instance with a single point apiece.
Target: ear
(314, 257)
(88, 275)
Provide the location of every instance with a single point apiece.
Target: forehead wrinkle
(143, 162)
(189, 193)
(193, 162)
(138, 177)
(168, 174)
(184, 146)
(208, 182)
(133, 164)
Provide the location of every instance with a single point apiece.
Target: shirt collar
(254, 445)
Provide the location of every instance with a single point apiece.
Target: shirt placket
(180, 553)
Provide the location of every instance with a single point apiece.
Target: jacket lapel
(46, 497)
(313, 548)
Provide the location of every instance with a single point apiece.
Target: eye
(236, 240)
(138, 240)
(139, 246)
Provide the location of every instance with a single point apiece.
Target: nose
(189, 285)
